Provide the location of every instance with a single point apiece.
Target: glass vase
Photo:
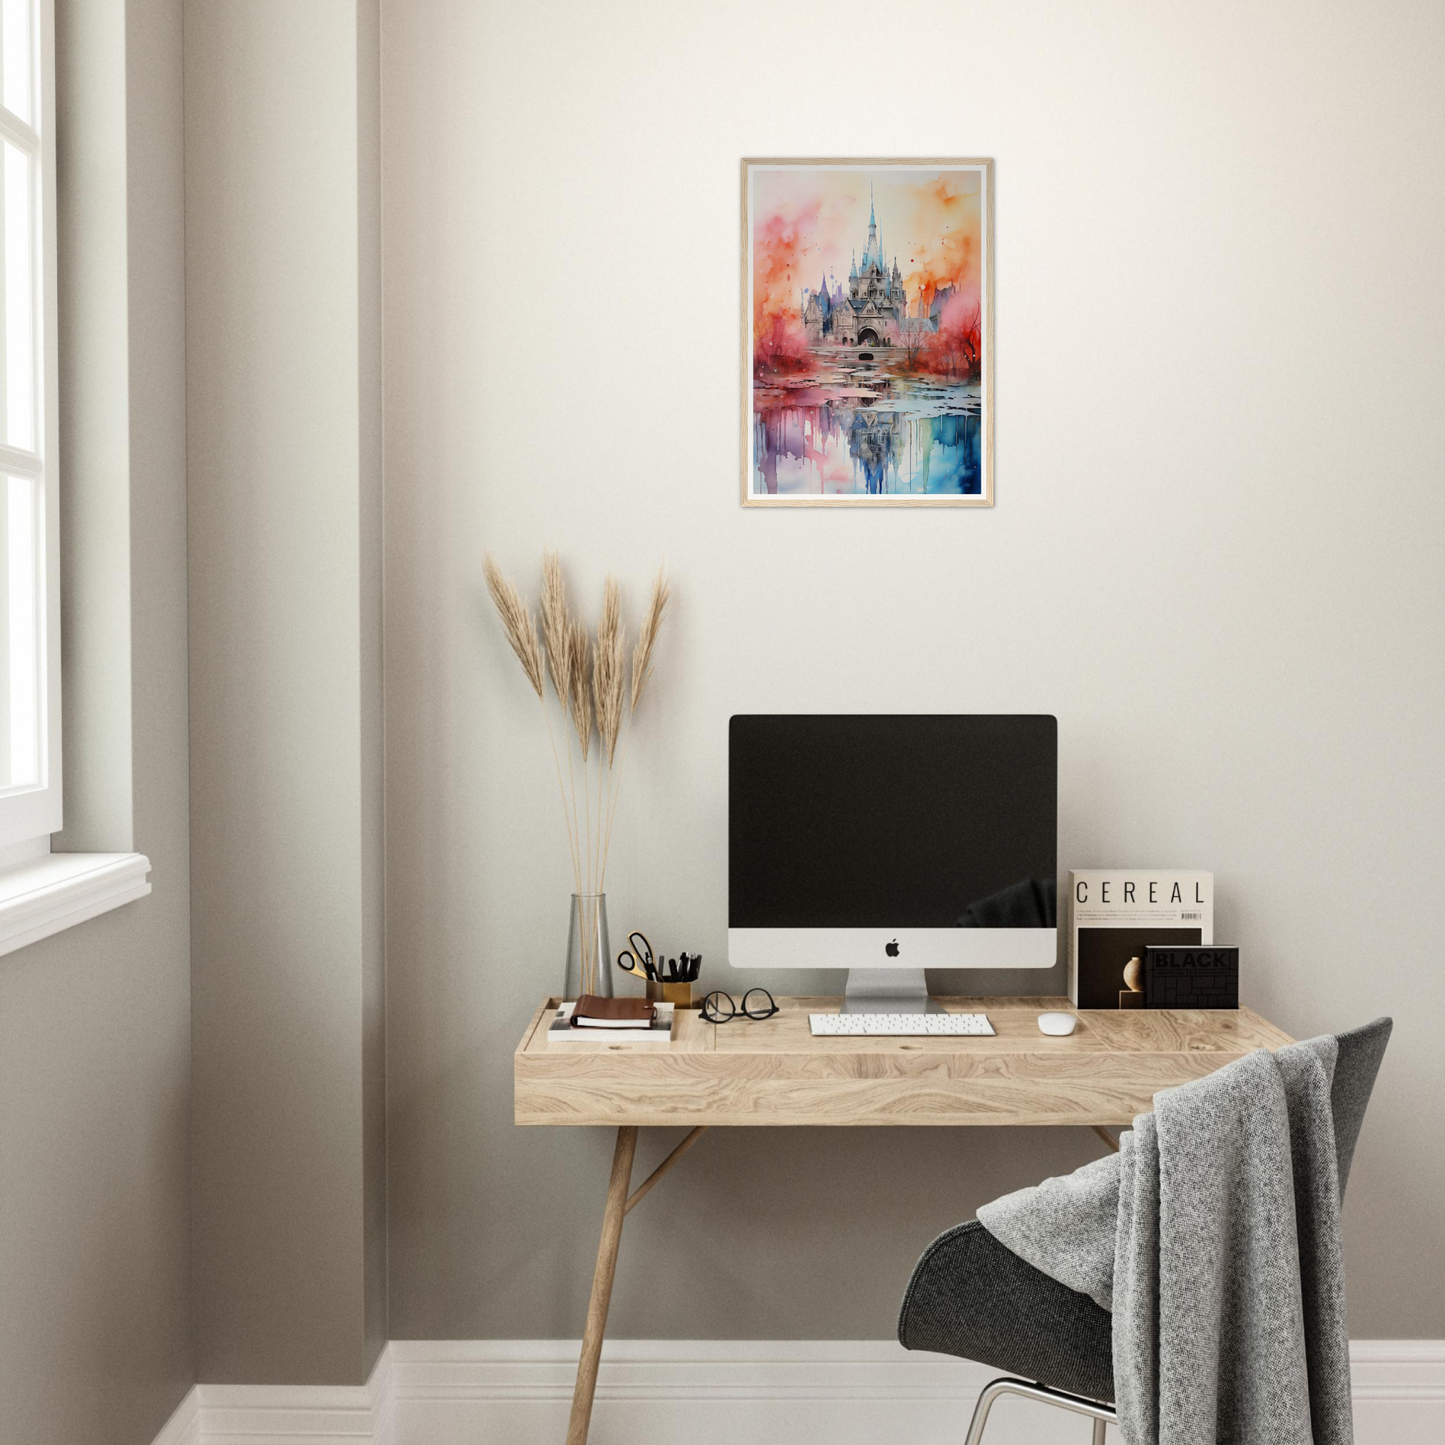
(589, 953)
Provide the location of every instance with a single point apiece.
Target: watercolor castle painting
(867, 332)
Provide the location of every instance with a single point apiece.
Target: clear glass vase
(589, 953)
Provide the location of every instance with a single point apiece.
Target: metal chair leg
(1099, 1413)
(980, 1410)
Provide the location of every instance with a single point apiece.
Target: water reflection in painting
(868, 383)
(900, 436)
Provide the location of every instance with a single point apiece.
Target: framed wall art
(867, 332)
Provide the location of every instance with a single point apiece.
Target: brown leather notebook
(593, 1012)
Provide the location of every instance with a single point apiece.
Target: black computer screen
(914, 821)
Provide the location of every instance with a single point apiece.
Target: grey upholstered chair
(972, 1297)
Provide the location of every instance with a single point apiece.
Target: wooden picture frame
(911, 324)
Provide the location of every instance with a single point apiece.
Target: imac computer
(890, 844)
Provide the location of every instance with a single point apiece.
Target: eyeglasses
(719, 1008)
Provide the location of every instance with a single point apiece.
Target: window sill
(59, 890)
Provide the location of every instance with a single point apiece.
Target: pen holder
(679, 994)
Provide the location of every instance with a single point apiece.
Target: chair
(971, 1296)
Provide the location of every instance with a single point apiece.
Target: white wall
(1215, 556)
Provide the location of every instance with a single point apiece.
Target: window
(30, 797)
(41, 892)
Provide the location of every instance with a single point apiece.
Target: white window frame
(42, 892)
(29, 815)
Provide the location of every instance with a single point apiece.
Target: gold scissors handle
(637, 958)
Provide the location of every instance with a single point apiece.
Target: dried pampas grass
(647, 636)
(556, 635)
(589, 680)
(579, 686)
(609, 669)
(516, 622)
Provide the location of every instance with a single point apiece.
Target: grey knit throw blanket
(1214, 1237)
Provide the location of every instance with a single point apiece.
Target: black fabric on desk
(972, 1297)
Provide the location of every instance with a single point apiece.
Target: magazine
(1115, 912)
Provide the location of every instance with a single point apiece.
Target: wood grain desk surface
(773, 1072)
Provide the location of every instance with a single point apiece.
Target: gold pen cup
(679, 994)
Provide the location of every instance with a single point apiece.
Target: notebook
(593, 1012)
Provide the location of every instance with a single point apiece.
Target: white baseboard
(714, 1392)
(288, 1414)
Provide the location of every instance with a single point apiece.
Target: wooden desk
(774, 1072)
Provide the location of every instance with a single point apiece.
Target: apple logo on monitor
(891, 949)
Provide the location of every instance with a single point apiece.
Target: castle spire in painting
(874, 312)
(873, 252)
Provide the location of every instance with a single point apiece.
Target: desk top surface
(771, 1072)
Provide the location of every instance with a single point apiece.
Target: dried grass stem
(590, 685)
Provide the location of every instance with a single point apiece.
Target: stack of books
(612, 1031)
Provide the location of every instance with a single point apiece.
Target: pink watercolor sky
(807, 222)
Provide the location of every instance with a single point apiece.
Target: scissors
(637, 958)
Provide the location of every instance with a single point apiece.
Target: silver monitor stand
(887, 991)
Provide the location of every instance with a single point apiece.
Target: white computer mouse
(1057, 1023)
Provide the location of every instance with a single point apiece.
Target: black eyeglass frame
(710, 1014)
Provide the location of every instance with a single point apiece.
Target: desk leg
(612, 1216)
(1106, 1136)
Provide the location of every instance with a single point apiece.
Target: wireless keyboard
(899, 1025)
